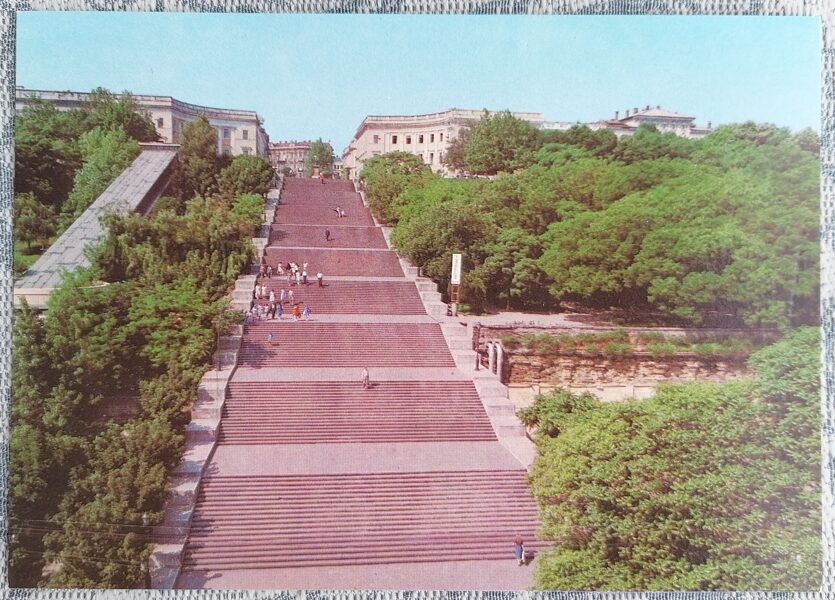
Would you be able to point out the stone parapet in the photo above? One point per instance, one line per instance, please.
(589, 370)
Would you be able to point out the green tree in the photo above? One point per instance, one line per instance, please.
(498, 142)
(107, 152)
(247, 174)
(600, 142)
(108, 111)
(701, 487)
(389, 175)
(319, 157)
(446, 222)
(33, 221)
(510, 273)
(47, 151)
(198, 163)
(647, 143)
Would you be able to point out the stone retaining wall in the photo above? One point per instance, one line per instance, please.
(610, 377)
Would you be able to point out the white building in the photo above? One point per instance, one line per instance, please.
(426, 136)
(238, 131)
(665, 121)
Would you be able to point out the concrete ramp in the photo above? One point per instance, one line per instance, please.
(134, 190)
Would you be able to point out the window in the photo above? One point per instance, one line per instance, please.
(431, 138)
(160, 122)
(245, 134)
(408, 139)
(225, 133)
(431, 157)
(441, 139)
(394, 139)
(420, 139)
(246, 150)
(376, 139)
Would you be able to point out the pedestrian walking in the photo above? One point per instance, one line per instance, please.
(262, 271)
(319, 277)
(337, 211)
(279, 311)
(519, 549)
(282, 296)
(366, 381)
(341, 213)
(304, 277)
(273, 308)
(270, 338)
(290, 298)
(289, 278)
(306, 313)
(272, 296)
(297, 312)
(269, 271)
(327, 235)
(298, 277)
(280, 269)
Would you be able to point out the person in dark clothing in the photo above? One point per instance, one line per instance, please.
(327, 235)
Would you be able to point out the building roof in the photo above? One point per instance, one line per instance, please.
(121, 197)
(70, 99)
(657, 112)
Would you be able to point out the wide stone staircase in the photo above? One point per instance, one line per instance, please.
(390, 411)
(318, 483)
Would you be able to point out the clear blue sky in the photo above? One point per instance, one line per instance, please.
(314, 76)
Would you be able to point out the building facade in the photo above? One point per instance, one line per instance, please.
(426, 136)
(289, 155)
(665, 121)
(238, 131)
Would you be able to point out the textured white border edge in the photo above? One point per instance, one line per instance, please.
(824, 9)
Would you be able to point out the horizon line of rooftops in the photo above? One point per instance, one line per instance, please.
(526, 115)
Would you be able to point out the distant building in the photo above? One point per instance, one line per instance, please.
(238, 131)
(664, 120)
(289, 155)
(338, 168)
(426, 136)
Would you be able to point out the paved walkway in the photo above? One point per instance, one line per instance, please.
(459, 575)
(378, 375)
(296, 459)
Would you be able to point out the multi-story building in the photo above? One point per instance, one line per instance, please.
(664, 120)
(238, 131)
(427, 136)
(289, 155)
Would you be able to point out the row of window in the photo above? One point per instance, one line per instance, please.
(409, 138)
(227, 134)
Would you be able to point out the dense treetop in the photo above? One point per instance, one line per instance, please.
(140, 323)
(65, 159)
(701, 487)
(319, 157)
(721, 231)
